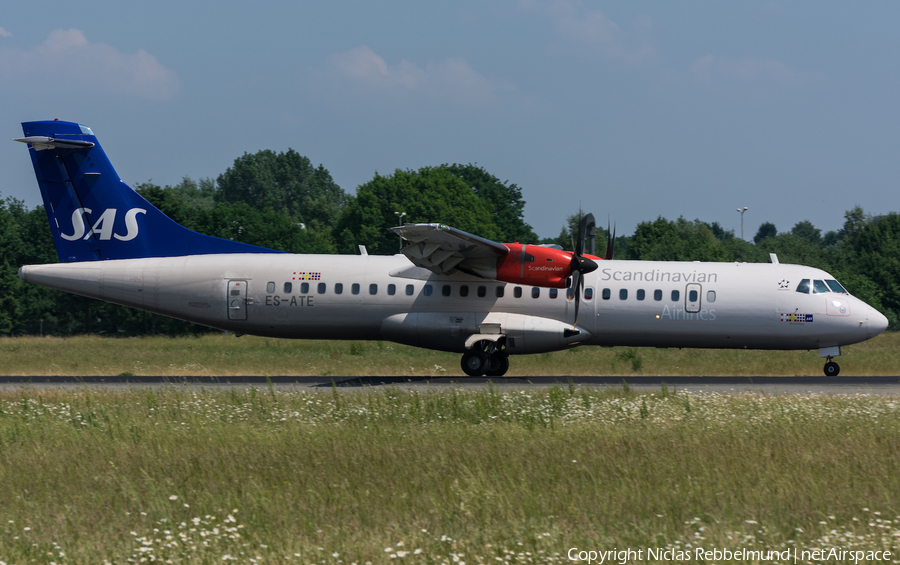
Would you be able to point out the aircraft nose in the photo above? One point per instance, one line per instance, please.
(877, 322)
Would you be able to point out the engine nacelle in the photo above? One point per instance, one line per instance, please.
(448, 331)
(535, 265)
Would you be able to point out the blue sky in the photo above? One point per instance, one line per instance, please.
(630, 109)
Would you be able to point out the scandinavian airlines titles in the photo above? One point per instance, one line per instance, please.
(103, 227)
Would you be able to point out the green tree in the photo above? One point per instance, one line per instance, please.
(795, 249)
(767, 229)
(681, 240)
(504, 199)
(807, 231)
(11, 248)
(719, 232)
(287, 183)
(429, 195)
(872, 250)
(169, 202)
(266, 228)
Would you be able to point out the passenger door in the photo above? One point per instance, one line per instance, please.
(237, 300)
(692, 298)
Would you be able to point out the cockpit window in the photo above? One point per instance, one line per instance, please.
(803, 287)
(835, 286)
(86, 130)
(819, 287)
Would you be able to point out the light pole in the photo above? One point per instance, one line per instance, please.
(400, 223)
(742, 210)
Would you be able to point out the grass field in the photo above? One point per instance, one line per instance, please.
(224, 355)
(385, 476)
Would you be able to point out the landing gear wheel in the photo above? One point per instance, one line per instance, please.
(497, 365)
(474, 363)
(832, 369)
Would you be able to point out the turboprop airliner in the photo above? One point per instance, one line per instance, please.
(447, 290)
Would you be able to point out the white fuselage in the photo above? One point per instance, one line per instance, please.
(738, 305)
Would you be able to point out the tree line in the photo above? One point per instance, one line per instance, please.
(282, 201)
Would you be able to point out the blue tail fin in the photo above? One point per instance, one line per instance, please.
(93, 214)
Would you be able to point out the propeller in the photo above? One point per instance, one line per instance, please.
(580, 264)
(610, 241)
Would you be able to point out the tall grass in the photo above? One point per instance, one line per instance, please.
(223, 355)
(380, 475)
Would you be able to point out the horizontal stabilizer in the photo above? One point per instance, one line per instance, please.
(42, 142)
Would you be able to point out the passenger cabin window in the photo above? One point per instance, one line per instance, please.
(482, 291)
(675, 295)
(623, 294)
(819, 287)
(835, 286)
(499, 291)
(288, 287)
(657, 295)
(338, 288)
(606, 294)
(236, 292)
(553, 293)
(641, 294)
(321, 288)
(392, 289)
(803, 287)
(588, 293)
(710, 296)
(304, 288)
(410, 289)
(693, 296)
(270, 287)
(373, 289)
(518, 292)
(535, 292)
(445, 290)
(354, 288)
(464, 290)
(427, 290)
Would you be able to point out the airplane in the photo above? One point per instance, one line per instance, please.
(446, 290)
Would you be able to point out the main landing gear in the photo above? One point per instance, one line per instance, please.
(487, 358)
(832, 369)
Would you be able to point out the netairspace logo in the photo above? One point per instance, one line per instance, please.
(793, 555)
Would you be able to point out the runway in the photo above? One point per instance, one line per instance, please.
(881, 385)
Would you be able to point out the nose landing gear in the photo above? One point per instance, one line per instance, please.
(832, 369)
(487, 358)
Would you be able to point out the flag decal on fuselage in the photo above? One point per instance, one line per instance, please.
(796, 317)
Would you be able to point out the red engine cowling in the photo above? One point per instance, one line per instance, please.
(535, 265)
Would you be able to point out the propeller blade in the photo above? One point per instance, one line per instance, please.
(579, 239)
(610, 243)
(586, 227)
(577, 281)
(579, 290)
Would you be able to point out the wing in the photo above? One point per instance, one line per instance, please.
(444, 250)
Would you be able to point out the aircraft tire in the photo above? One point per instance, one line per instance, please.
(474, 362)
(497, 366)
(832, 369)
